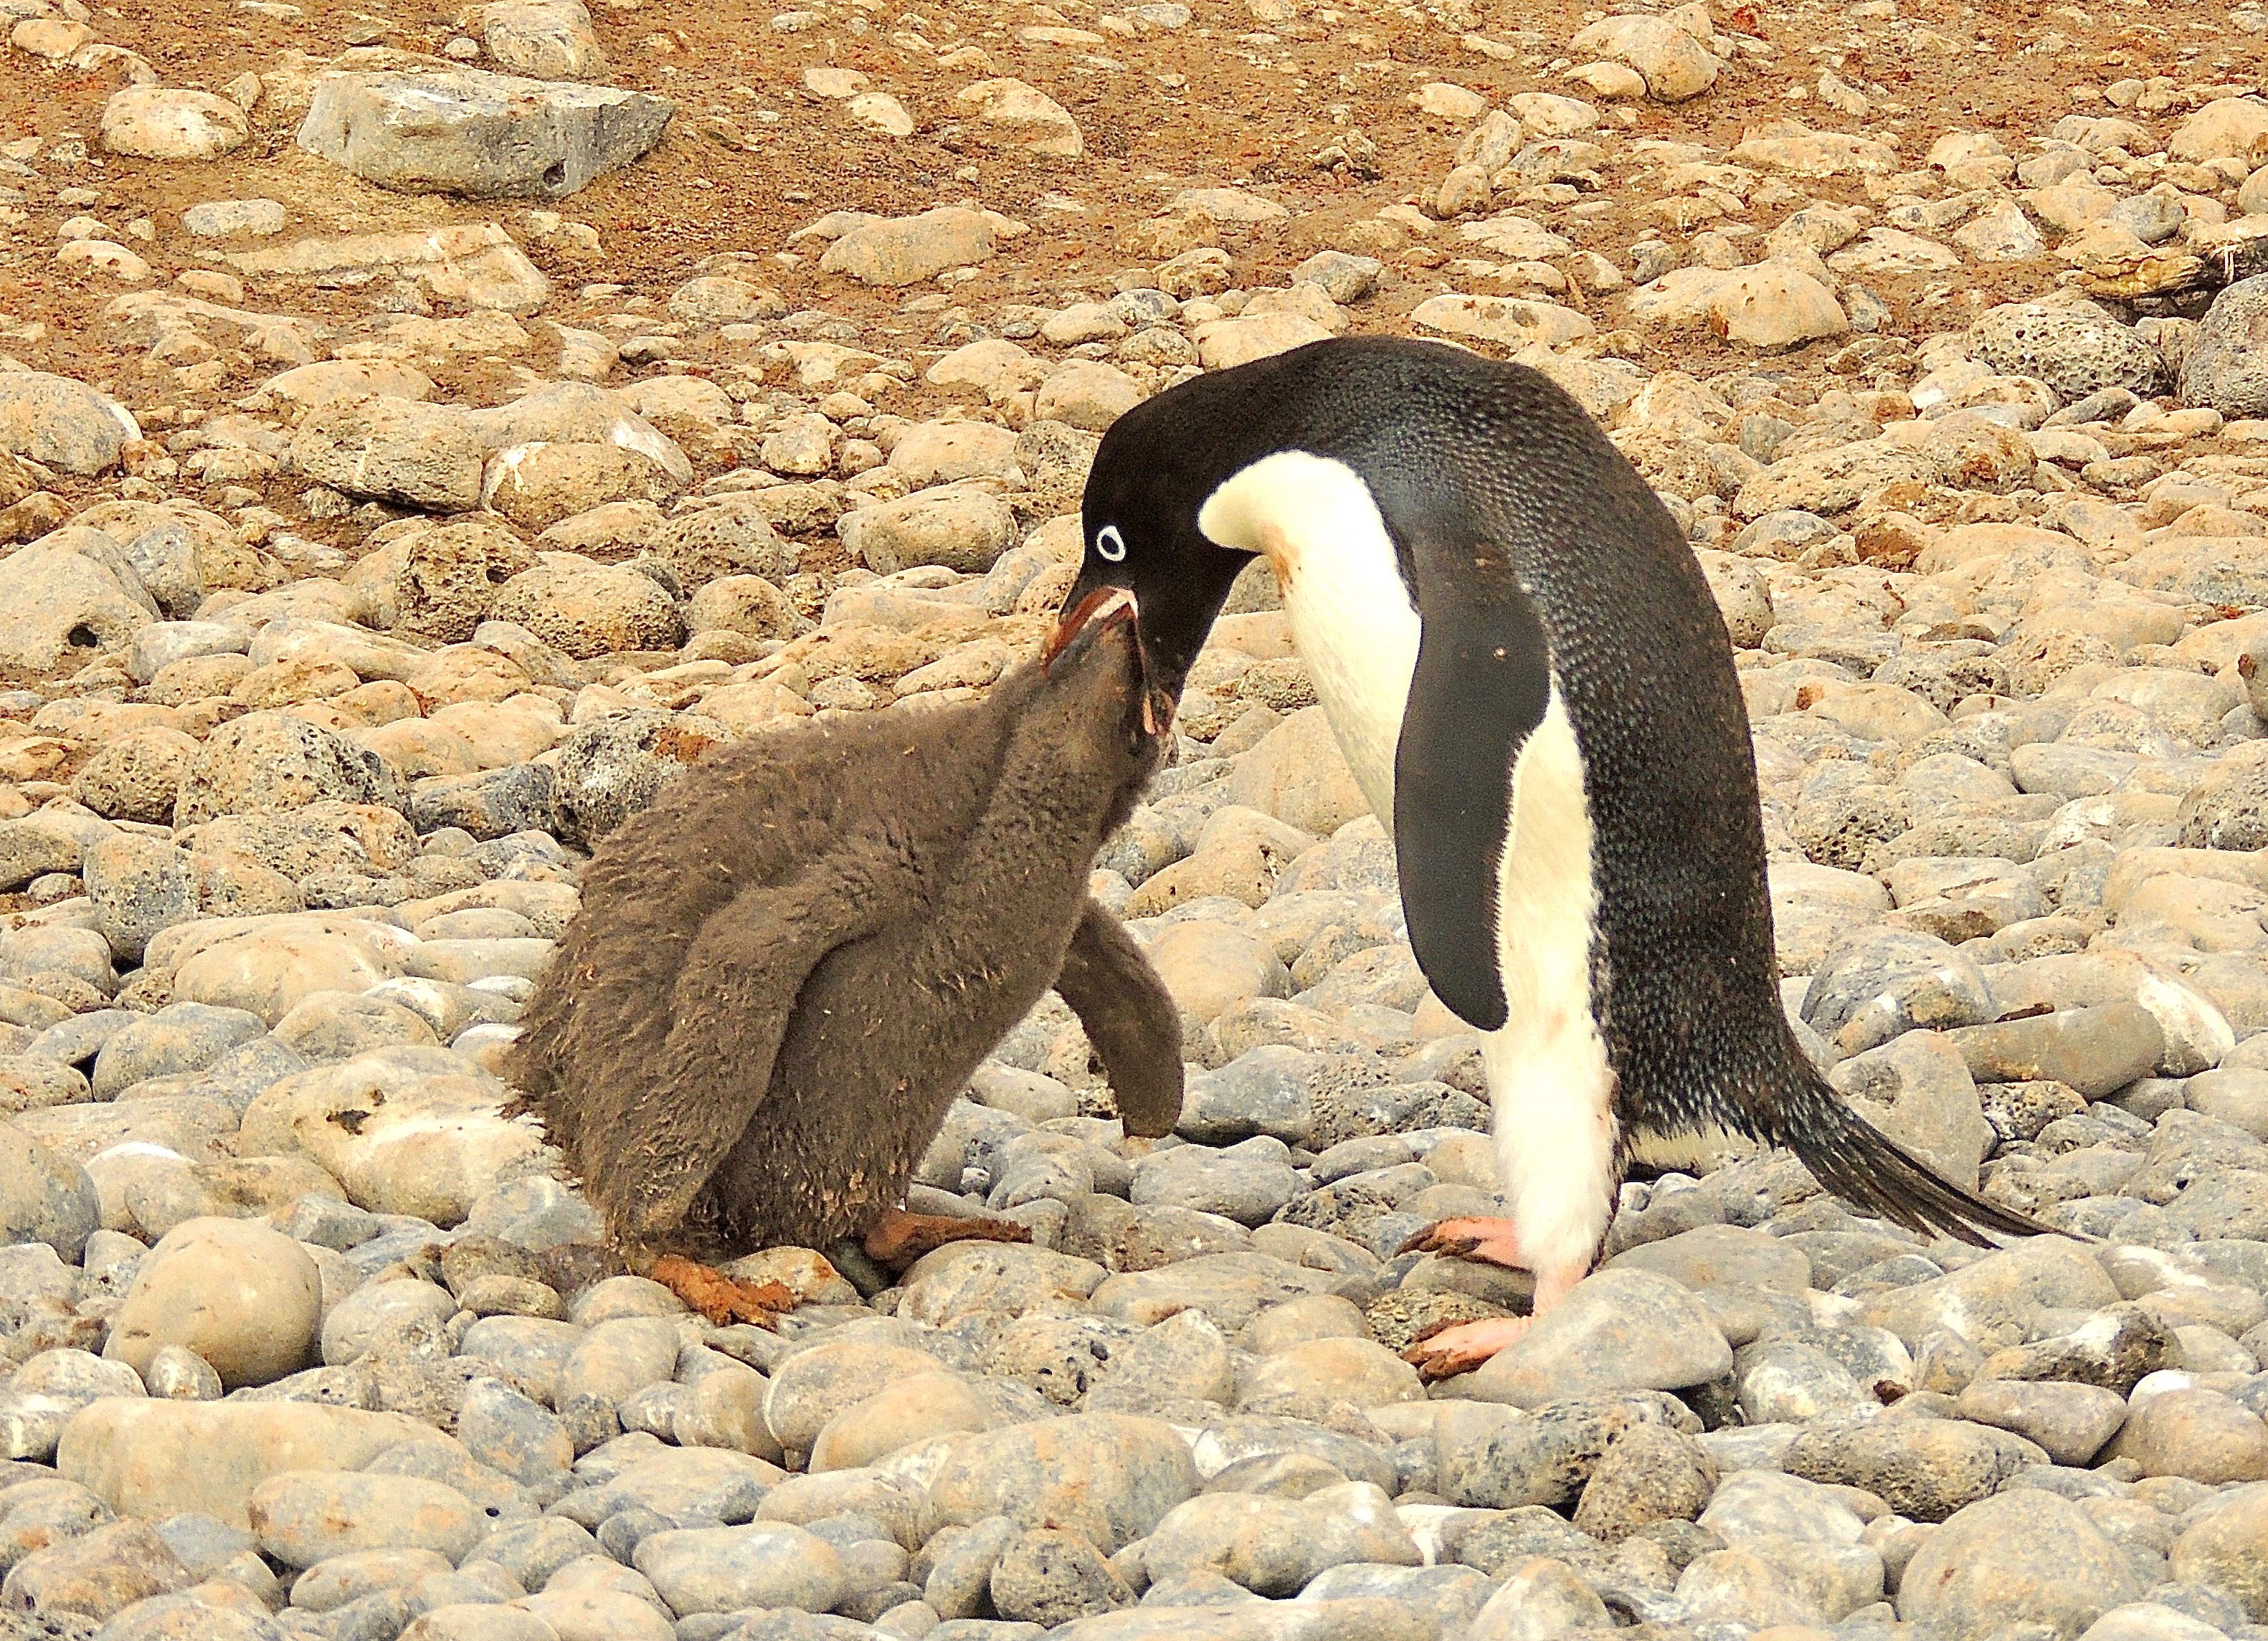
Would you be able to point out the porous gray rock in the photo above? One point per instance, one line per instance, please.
(273, 762)
(608, 771)
(2076, 348)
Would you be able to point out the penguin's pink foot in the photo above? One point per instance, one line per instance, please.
(1488, 1241)
(899, 1237)
(1463, 1347)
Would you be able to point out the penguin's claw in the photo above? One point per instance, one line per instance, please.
(1484, 1240)
(1463, 1347)
(721, 1298)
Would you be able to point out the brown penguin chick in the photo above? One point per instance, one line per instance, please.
(787, 967)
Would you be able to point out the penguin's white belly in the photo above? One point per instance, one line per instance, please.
(1354, 625)
(1350, 616)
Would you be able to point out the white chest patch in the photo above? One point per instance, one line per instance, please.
(1352, 620)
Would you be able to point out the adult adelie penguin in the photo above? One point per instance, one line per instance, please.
(1528, 674)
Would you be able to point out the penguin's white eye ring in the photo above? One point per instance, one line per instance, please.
(1110, 544)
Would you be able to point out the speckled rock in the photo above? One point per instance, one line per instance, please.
(722, 1570)
(44, 1198)
(2023, 1556)
(2223, 368)
(1106, 1476)
(1925, 1468)
(1651, 1473)
(2227, 1546)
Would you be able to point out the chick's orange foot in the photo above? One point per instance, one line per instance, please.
(899, 1237)
(721, 1298)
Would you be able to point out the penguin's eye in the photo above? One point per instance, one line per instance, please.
(1110, 544)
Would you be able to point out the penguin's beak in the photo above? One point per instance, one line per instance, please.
(1089, 619)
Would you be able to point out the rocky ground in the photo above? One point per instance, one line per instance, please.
(412, 468)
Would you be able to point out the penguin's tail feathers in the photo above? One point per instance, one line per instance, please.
(1873, 1172)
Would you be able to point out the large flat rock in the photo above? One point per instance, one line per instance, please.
(483, 136)
(475, 265)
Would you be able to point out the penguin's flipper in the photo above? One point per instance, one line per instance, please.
(1129, 1018)
(1482, 685)
(729, 1011)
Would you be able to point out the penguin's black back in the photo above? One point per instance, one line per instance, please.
(1454, 443)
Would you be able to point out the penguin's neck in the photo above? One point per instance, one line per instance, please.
(1350, 614)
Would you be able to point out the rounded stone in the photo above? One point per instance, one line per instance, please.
(364, 1319)
(2019, 1557)
(1883, 982)
(2228, 1548)
(266, 971)
(303, 1517)
(63, 422)
(588, 610)
(2200, 1434)
(44, 1196)
(1358, 1371)
(1540, 1600)
(242, 1297)
(156, 123)
(2072, 1421)
(335, 1580)
(813, 1387)
(2227, 368)
(1925, 1468)
(723, 1570)
(748, 604)
(910, 1410)
(180, 1037)
(1108, 1477)
(479, 1621)
(1651, 1473)
(1618, 1330)
(618, 1357)
(273, 762)
(176, 1375)
(139, 775)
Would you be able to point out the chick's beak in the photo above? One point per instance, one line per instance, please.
(1097, 613)
(1101, 608)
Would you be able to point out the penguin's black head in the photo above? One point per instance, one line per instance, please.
(1156, 466)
